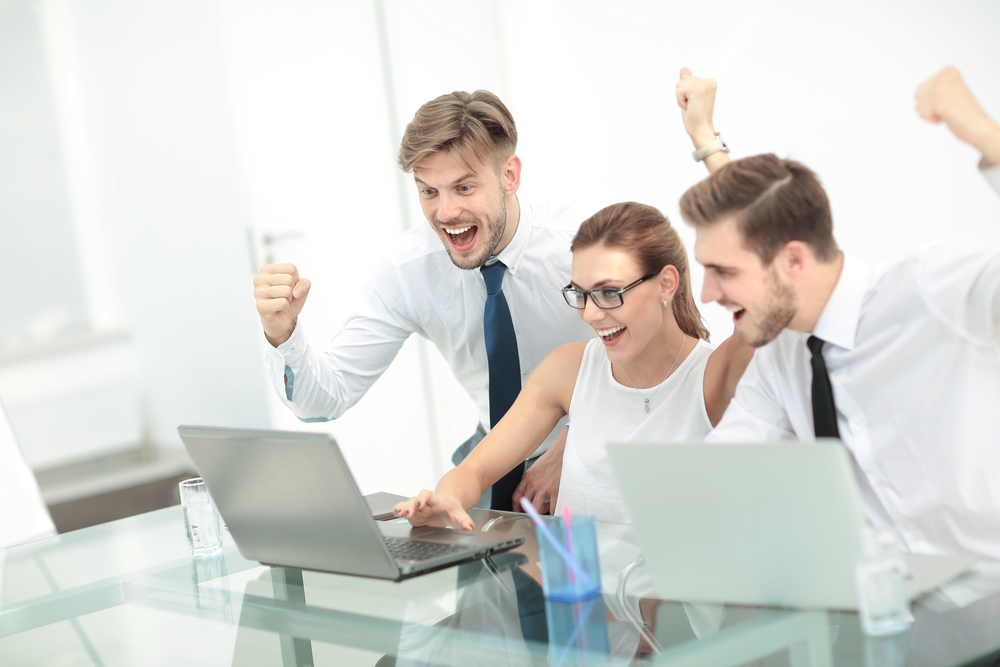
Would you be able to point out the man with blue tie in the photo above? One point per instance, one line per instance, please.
(481, 281)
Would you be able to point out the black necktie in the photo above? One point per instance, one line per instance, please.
(824, 409)
(505, 371)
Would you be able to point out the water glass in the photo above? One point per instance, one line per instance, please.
(201, 518)
(883, 599)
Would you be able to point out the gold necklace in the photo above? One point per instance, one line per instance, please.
(660, 383)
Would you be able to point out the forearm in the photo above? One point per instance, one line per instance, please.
(324, 383)
(989, 146)
(555, 452)
(462, 485)
(308, 383)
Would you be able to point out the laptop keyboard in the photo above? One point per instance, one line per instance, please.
(412, 550)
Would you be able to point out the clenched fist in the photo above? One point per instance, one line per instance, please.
(696, 98)
(945, 98)
(280, 295)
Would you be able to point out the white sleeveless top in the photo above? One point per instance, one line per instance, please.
(602, 410)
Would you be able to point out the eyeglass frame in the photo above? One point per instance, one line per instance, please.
(588, 292)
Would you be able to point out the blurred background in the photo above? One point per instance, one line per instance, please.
(154, 154)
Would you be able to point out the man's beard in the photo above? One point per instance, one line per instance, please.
(778, 315)
(497, 226)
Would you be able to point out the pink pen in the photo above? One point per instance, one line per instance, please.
(568, 526)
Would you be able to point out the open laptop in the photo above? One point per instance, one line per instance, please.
(289, 500)
(771, 524)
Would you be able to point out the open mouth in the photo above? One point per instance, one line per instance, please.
(737, 312)
(611, 336)
(462, 238)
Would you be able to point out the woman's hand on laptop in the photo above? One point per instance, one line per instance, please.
(432, 509)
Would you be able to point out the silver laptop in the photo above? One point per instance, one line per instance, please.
(771, 524)
(289, 500)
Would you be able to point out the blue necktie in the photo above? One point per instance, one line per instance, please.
(505, 371)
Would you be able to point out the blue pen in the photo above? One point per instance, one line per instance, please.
(543, 530)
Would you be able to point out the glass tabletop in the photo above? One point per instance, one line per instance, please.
(128, 593)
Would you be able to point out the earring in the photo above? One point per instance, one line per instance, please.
(666, 303)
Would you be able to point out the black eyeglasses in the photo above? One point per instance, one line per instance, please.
(603, 298)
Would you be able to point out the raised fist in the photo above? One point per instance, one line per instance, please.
(945, 98)
(280, 295)
(696, 98)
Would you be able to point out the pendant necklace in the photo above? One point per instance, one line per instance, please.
(646, 400)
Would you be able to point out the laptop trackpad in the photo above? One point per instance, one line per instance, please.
(429, 534)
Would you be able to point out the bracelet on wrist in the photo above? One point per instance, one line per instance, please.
(710, 148)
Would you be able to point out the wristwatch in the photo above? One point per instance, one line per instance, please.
(711, 147)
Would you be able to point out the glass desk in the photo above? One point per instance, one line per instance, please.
(126, 593)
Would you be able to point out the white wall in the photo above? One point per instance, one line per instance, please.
(202, 123)
(831, 85)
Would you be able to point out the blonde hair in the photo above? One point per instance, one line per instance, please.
(466, 124)
(646, 233)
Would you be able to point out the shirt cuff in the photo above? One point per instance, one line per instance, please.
(293, 350)
(992, 175)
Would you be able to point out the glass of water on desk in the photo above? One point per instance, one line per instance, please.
(883, 601)
(204, 527)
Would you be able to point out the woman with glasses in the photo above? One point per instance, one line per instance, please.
(648, 375)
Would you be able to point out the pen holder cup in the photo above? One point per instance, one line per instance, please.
(560, 580)
(574, 606)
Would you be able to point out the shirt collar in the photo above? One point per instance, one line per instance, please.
(838, 323)
(512, 254)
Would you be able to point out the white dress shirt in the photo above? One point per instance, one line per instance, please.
(417, 289)
(913, 352)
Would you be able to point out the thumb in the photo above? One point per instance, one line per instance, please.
(685, 72)
(301, 289)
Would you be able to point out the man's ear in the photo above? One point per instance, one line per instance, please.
(510, 175)
(792, 260)
(670, 280)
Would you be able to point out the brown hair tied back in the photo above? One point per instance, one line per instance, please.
(647, 234)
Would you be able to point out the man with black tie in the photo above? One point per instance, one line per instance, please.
(481, 281)
(901, 363)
